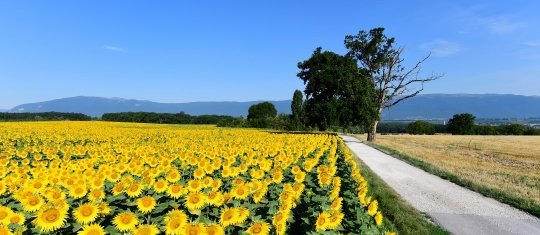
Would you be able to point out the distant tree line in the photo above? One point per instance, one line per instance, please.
(262, 115)
(45, 116)
(459, 124)
(164, 118)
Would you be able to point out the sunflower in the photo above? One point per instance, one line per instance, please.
(146, 229)
(2, 188)
(78, 191)
(118, 188)
(280, 218)
(227, 217)
(175, 225)
(177, 214)
(86, 213)
(335, 220)
(233, 216)
(96, 194)
(161, 185)
(214, 229)
(240, 192)
(125, 221)
(60, 204)
(281, 228)
(32, 203)
(92, 229)
(194, 229)
(259, 194)
(37, 185)
(337, 204)
(17, 218)
(372, 208)
(378, 218)
(173, 176)
(55, 194)
(216, 184)
(5, 213)
(176, 190)
(198, 173)
(194, 185)
(322, 221)
(134, 190)
(104, 208)
(215, 198)
(5, 230)
(195, 201)
(146, 204)
(259, 228)
(50, 219)
(299, 177)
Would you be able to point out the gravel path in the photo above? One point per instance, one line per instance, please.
(456, 209)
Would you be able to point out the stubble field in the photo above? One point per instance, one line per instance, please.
(508, 164)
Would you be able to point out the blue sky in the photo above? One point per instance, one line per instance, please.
(180, 51)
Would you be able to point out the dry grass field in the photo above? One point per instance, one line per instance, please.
(510, 164)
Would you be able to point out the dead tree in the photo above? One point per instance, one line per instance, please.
(392, 83)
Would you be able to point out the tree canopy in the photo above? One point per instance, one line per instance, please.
(420, 128)
(260, 115)
(337, 93)
(461, 124)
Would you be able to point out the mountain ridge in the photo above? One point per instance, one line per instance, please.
(425, 106)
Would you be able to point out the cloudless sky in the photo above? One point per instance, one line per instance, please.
(181, 51)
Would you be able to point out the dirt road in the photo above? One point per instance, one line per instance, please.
(456, 209)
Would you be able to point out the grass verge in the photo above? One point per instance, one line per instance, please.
(399, 215)
(504, 197)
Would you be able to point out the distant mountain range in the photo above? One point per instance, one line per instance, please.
(97, 106)
(444, 106)
(428, 106)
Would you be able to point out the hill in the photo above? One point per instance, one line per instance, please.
(428, 106)
(443, 106)
(96, 106)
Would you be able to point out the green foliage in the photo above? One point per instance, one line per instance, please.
(512, 129)
(232, 122)
(485, 130)
(461, 124)
(420, 128)
(165, 118)
(260, 115)
(283, 122)
(531, 131)
(337, 92)
(45, 116)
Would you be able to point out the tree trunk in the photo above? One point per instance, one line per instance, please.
(372, 134)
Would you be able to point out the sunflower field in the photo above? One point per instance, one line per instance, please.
(122, 178)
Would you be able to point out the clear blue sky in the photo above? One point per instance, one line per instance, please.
(174, 51)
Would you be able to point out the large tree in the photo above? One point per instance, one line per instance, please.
(337, 93)
(383, 62)
(260, 115)
(461, 124)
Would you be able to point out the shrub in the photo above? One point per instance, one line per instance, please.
(420, 128)
(512, 129)
(485, 130)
